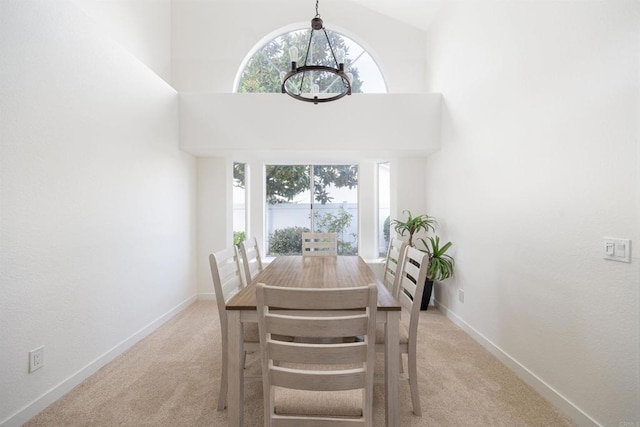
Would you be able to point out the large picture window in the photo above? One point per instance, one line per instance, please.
(318, 198)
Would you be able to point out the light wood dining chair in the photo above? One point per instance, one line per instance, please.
(251, 259)
(413, 275)
(393, 265)
(225, 271)
(319, 244)
(313, 383)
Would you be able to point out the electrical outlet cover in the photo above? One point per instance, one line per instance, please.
(36, 359)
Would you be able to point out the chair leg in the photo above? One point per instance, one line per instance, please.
(224, 376)
(413, 384)
(224, 384)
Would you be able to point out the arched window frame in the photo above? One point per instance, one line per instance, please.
(304, 26)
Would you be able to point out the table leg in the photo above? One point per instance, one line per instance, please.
(392, 369)
(235, 394)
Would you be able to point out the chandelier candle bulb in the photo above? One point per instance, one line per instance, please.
(293, 54)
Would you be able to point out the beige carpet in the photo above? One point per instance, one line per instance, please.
(171, 378)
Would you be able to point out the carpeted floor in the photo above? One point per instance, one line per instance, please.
(171, 378)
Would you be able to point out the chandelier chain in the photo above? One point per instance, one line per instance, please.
(317, 13)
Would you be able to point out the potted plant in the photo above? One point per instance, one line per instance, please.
(440, 264)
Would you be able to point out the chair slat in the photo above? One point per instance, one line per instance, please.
(393, 265)
(228, 270)
(405, 301)
(342, 354)
(251, 259)
(318, 380)
(320, 245)
(317, 327)
(411, 270)
(310, 299)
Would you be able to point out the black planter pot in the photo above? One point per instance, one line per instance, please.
(426, 295)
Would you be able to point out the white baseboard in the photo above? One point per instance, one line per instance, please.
(55, 393)
(558, 400)
(209, 296)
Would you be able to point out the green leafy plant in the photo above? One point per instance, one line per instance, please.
(337, 223)
(386, 229)
(413, 225)
(238, 237)
(286, 241)
(440, 264)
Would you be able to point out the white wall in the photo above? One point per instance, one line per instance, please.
(273, 125)
(368, 209)
(215, 216)
(407, 175)
(97, 219)
(141, 27)
(540, 161)
(211, 38)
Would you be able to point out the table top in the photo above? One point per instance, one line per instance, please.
(314, 272)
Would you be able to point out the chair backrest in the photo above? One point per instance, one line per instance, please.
(319, 244)
(250, 259)
(393, 265)
(413, 277)
(225, 271)
(332, 313)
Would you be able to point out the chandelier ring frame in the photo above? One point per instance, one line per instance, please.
(303, 69)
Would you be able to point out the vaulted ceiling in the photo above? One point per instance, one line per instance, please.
(417, 13)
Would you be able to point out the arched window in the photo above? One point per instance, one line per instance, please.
(262, 71)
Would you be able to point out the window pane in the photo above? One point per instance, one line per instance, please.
(288, 210)
(239, 203)
(384, 208)
(335, 208)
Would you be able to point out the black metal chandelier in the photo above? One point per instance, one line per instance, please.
(303, 83)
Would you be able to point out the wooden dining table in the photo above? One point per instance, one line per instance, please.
(312, 272)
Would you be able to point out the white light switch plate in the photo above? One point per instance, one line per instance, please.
(616, 249)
